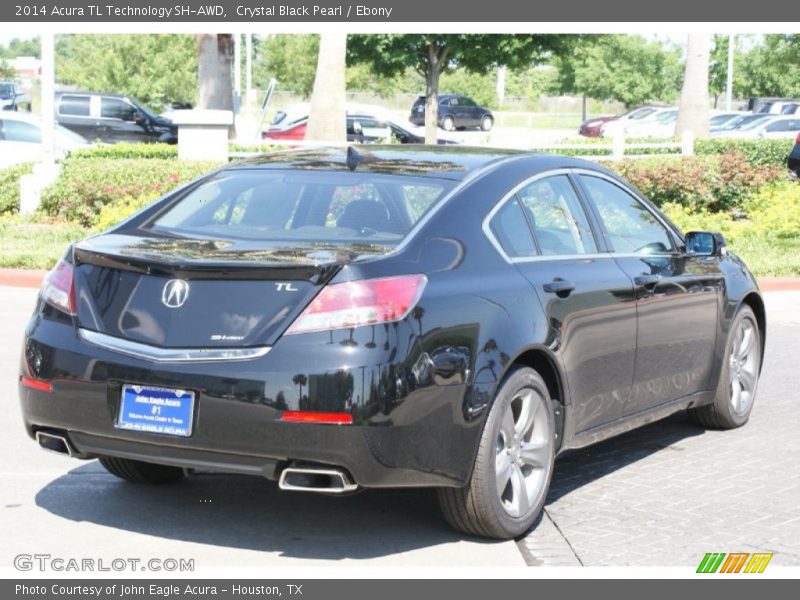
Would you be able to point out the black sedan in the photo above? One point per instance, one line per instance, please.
(401, 316)
(455, 112)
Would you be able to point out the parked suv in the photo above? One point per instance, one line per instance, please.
(13, 97)
(112, 118)
(455, 112)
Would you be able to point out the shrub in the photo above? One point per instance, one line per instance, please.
(9, 186)
(757, 153)
(86, 185)
(126, 150)
(711, 183)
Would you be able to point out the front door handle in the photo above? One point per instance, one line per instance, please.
(645, 280)
(559, 287)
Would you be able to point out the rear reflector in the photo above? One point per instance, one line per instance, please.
(302, 416)
(58, 288)
(36, 384)
(356, 303)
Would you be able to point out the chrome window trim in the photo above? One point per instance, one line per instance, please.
(174, 355)
(487, 230)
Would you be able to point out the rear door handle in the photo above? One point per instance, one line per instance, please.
(645, 280)
(559, 287)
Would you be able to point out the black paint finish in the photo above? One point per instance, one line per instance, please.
(618, 349)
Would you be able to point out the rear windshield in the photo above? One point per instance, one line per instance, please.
(285, 206)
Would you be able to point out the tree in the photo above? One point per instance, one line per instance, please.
(156, 69)
(327, 119)
(21, 47)
(433, 54)
(625, 68)
(214, 70)
(693, 107)
(7, 72)
(767, 69)
(291, 59)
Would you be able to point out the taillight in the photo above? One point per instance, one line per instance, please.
(328, 418)
(356, 303)
(797, 141)
(58, 288)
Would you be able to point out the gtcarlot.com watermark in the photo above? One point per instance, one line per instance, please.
(48, 562)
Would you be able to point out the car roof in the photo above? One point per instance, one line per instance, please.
(440, 161)
(20, 116)
(82, 93)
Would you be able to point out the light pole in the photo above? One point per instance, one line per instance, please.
(729, 87)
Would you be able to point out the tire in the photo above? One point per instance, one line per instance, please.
(738, 379)
(487, 123)
(140, 472)
(481, 508)
(448, 123)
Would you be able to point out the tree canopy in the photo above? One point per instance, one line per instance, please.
(431, 55)
(156, 68)
(626, 68)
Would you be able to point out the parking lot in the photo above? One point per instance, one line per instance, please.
(662, 495)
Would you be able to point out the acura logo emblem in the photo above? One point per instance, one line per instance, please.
(175, 293)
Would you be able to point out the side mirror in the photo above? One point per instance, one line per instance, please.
(705, 243)
(139, 118)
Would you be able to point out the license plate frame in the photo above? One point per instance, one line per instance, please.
(155, 409)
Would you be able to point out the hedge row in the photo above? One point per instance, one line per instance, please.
(757, 152)
(86, 185)
(714, 183)
(9, 186)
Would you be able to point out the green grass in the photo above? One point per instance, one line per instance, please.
(30, 245)
(779, 257)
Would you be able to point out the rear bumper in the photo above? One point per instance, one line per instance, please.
(406, 433)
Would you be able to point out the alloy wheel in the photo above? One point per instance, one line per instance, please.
(523, 451)
(743, 363)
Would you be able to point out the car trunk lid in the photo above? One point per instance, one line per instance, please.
(200, 293)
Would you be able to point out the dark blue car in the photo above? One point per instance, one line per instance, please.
(455, 112)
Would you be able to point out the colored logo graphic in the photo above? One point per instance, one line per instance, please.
(734, 562)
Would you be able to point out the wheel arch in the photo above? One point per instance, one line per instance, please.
(756, 303)
(543, 362)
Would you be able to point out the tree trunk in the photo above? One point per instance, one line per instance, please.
(214, 70)
(432, 96)
(327, 119)
(693, 107)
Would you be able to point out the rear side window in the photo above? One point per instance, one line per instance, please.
(630, 225)
(19, 131)
(312, 207)
(77, 106)
(510, 228)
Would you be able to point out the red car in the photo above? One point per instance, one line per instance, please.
(591, 127)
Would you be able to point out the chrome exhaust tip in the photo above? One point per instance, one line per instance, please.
(54, 443)
(320, 480)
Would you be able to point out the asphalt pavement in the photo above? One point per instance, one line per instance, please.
(661, 495)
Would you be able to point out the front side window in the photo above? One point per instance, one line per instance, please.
(114, 108)
(629, 224)
(559, 222)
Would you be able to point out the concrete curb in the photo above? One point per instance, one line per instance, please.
(33, 279)
(27, 278)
